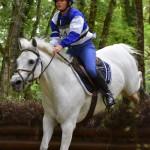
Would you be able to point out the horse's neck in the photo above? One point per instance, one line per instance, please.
(56, 74)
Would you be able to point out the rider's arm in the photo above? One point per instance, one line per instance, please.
(55, 35)
(76, 27)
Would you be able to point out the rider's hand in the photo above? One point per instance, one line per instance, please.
(58, 48)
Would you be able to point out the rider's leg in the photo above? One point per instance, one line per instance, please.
(88, 57)
(102, 85)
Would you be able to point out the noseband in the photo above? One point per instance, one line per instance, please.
(31, 72)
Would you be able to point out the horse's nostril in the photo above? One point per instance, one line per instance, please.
(18, 82)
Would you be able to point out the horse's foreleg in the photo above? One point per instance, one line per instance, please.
(48, 127)
(67, 131)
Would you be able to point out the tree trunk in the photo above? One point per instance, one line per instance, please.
(11, 49)
(28, 6)
(81, 6)
(48, 25)
(140, 38)
(107, 22)
(93, 12)
(36, 23)
(129, 12)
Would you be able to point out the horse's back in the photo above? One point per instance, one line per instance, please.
(124, 66)
(115, 53)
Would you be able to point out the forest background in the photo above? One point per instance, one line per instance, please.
(113, 21)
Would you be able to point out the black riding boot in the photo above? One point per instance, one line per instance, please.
(102, 85)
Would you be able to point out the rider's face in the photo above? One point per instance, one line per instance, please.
(61, 4)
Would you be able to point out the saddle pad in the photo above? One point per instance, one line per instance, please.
(103, 67)
(86, 86)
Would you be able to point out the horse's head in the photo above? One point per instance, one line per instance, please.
(29, 65)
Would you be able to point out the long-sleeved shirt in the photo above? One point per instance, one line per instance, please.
(70, 29)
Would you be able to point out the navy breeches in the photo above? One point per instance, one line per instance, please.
(86, 52)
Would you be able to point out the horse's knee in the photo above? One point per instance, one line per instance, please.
(42, 147)
(67, 127)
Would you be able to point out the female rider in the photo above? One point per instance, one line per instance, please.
(69, 29)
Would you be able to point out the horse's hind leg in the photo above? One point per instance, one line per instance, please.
(131, 98)
(48, 127)
(134, 98)
(132, 89)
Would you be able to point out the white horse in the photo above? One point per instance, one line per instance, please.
(65, 101)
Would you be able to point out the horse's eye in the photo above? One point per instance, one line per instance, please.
(31, 61)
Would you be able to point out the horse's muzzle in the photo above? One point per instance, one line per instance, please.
(16, 83)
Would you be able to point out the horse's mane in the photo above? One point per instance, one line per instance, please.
(44, 46)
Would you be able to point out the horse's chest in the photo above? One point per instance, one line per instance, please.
(49, 108)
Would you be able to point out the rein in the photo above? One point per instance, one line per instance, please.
(63, 58)
(47, 65)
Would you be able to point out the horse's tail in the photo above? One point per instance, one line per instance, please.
(141, 84)
(133, 52)
(130, 49)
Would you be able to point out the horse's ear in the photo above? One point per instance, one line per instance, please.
(34, 43)
(19, 44)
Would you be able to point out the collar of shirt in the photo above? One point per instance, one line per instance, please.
(63, 19)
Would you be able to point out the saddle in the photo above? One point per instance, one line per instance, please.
(101, 66)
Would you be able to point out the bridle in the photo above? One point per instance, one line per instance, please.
(31, 72)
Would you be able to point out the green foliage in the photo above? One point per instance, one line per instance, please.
(30, 93)
(120, 31)
(5, 15)
(36, 90)
(147, 34)
(45, 13)
(147, 55)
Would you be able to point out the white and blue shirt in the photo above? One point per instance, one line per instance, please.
(70, 29)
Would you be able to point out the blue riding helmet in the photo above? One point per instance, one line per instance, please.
(72, 1)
